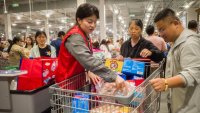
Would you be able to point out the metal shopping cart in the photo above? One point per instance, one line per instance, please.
(77, 95)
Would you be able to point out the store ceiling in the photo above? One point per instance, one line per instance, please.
(62, 12)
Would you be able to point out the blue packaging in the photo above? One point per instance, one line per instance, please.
(80, 103)
(123, 76)
(138, 96)
(130, 77)
(132, 67)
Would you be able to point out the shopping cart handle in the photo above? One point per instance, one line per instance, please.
(142, 59)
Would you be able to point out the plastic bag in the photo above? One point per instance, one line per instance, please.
(106, 88)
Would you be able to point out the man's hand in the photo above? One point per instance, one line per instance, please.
(145, 53)
(158, 84)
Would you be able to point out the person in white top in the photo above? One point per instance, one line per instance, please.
(105, 48)
(157, 41)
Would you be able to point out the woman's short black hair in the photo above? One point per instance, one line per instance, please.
(103, 42)
(150, 29)
(86, 10)
(138, 22)
(96, 45)
(167, 12)
(192, 24)
(38, 33)
(14, 41)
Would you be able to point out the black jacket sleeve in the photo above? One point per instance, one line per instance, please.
(157, 55)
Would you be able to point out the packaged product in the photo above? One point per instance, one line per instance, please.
(114, 65)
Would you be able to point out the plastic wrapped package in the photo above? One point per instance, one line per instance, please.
(106, 88)
(122, 96)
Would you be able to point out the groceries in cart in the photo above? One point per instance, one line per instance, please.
(123, 95)
(112, 109)
(142, 100)
(107, 88)
(128, 67)
(131, 67)
(114, 65)
(80, 103)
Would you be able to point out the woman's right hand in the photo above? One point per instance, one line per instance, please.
(121, 84)
(95, 79)
(120, 58)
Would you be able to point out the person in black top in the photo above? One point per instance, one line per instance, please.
(137, 46)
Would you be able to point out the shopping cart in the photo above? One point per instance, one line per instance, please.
(77, 95)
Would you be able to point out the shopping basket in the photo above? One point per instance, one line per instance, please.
(77, 95)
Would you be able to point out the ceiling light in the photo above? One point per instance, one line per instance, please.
(150, 8)
(187, 6)
(19, 33)
(120, 18)
(60, 27)
(63, 21)
(98, 22)
(71, 24)
(50, 25)
(47, 15)
(178, 13)
(38, 22)
(27, 27)
(148, 15)
(116, 11)
(14, 24)
(19, 17)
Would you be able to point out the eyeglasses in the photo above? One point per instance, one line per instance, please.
(161, 30)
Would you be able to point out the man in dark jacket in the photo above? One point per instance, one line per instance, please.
(56, 43)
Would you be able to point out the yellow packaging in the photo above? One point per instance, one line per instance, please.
(125, 109)
(114, 65)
